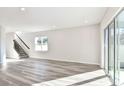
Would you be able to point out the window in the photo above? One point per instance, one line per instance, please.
(41, 43)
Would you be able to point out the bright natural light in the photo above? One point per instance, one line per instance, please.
(41, 43)
(96, 78)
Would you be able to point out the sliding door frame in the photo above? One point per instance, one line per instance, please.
(115, 81)
(106, 46)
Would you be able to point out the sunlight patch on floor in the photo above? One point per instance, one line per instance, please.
(79, 78)
(100, 82)
(14, 60)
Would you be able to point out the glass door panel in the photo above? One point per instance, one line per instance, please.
(120, 45)
(111, 51)
(117, 64)
(106, 50)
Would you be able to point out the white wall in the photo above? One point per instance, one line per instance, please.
(10, 51)
(2, 45)
(109, 15)
(81, 44)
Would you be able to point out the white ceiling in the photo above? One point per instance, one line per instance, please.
(49, 18)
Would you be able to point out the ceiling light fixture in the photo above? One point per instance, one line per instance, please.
(22, 9)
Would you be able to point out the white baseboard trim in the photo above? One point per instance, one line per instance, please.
(65, 60)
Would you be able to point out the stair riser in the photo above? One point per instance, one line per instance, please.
(20, 50)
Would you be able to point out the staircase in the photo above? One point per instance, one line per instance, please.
(20, 50)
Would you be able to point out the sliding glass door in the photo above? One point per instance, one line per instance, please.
(120, 47)
(106, 49)
(114, 49)
(111, 51)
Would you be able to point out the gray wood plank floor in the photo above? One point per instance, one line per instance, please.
(31, 71)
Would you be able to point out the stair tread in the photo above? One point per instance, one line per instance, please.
(20, 50)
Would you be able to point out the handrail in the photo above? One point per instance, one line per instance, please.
(23, 42)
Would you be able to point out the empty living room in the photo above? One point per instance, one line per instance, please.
(45, 46)
(39, 49)
(61, 46)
